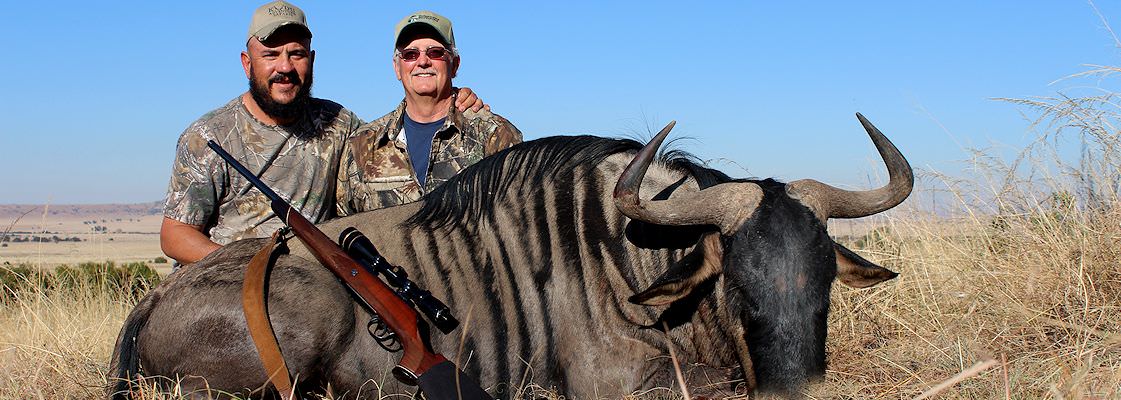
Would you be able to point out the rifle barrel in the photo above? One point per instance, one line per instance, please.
(248, 175)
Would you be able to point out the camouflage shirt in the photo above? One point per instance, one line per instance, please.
(299, 162)
(376, 171)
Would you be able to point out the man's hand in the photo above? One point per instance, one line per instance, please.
(467, 99)
(184, 242)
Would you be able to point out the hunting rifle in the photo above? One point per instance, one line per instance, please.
(437, 377)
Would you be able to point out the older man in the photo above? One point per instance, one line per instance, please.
(402, 155)
(292, 141)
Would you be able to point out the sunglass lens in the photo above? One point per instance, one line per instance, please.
(410, 54)
(436, 53)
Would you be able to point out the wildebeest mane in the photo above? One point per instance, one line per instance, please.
(686, 162)
(465, 197)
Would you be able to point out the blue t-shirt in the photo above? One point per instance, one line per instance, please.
(418, 142)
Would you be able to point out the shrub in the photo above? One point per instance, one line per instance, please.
(130, 280)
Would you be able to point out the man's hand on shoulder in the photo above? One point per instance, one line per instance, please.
(184, 242)
(466, 99)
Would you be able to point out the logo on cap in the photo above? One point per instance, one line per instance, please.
(419, 17)
(282, 10)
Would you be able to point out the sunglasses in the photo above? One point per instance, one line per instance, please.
(435, 53)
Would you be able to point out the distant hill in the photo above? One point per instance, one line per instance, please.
(9, 211)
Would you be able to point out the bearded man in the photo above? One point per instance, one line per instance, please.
(289, 139)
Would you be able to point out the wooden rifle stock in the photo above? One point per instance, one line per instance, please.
(400, 317)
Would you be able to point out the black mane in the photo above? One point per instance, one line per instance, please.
(464, 198)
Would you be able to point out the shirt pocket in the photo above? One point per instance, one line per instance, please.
(386, 177)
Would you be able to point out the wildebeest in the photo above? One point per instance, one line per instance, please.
(561, 281)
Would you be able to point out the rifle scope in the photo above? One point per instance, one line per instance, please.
(362, 250)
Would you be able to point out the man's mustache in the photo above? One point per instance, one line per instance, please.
(290, 76)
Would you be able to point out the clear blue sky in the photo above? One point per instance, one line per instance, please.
(96, 93)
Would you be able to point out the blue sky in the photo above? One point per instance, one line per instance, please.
(97, 93)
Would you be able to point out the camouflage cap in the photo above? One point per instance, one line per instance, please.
(270, 17)
(441, 24)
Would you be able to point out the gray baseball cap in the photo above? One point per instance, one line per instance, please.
(441, 24)
(272, 16)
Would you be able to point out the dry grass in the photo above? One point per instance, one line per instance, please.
(55, 344)
(1040, 294)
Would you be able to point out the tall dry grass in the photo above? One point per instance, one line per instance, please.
(1040, 293)
(58, 328)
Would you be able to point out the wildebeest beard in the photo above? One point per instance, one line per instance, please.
(291, 110)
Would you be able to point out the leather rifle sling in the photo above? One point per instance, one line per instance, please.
(256, 316)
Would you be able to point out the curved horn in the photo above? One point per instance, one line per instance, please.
(726, 205)
(830, 202)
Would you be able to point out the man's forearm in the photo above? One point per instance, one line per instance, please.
(184, 242)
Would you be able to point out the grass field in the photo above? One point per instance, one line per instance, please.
(125, 238)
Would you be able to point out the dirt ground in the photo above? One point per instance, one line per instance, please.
(118, 233)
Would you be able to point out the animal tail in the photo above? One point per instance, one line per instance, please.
(126, 357)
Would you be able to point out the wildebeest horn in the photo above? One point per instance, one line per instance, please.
(830, 202)
(726, 205)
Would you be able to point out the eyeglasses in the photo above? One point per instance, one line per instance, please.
(435, 53)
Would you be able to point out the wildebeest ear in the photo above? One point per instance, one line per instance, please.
(853, 270)
(685, 275)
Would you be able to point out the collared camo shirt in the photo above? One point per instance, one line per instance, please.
(299, 162)
(376, 171)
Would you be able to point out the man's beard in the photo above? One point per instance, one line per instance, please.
(292, 110)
